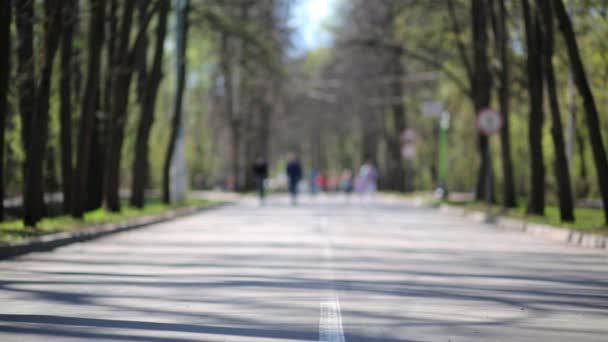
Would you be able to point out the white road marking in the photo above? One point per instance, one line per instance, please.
(330, 322)
(330, 318)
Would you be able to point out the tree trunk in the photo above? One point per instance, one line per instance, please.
(66, 103)
(562, 171)
(89, 105)
(501, 41)
(592, 116)
(481, 87)
(236, 154)
(153, 79)
(97, 159)
(50, 180)
(142, 50)
(77, 52)
(112, 28)
(397, 172)
(536, 203)
(102, 123)
(27, 91)
(121, 81)
(126, 58)
(369, 136)
(36, 125)
(177, 104)
(233, 121)
(583, 179)
(5, 45)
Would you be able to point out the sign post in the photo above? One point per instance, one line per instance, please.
(408, 144)
(489, 122)
(443, 158)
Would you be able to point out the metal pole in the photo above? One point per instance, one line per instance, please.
(488, 172)
(442, 163)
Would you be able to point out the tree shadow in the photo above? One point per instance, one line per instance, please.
(237, 270)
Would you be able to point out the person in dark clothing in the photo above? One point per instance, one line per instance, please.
(260, 170)
(294, 174)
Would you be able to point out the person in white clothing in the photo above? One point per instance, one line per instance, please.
(367, 179)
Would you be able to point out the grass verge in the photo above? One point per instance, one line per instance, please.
(588, 220)
(14, 231)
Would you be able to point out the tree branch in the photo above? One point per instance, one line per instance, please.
(457, 31)
(428, 60)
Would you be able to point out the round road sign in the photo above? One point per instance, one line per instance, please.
(489, 121)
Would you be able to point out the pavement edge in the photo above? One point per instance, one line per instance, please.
(52, 241)
(546, 232)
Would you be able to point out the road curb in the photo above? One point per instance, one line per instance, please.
(546, 232)
(52, 241)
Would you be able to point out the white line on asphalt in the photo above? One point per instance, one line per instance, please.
(330, 323)
(330, 319)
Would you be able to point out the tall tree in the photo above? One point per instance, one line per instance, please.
(88, 107)
(125, 59)
(27, 87)
(176, 121)
(591, 113)
(498, 12)
(150, 89)
(397, 172)
(226, 66)
(35, 114)
(534, 45)
(121, 80)
(141, 63)
(5, 64)
(562, 170)
(65, 112)
(481, 87)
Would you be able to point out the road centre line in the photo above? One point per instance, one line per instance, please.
(330, 322)
(330, 318)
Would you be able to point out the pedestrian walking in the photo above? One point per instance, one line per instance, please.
(347, 181)
(260, 170)
(367, 180)
(294, 174)
(312, 182)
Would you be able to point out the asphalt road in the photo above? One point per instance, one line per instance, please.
(326, 270)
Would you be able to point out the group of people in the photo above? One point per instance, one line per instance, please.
(364, 183)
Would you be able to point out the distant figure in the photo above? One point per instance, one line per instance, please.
(312, 182)
(367, 179)
(322, 181)
(294, 174)
(260, 170)
(347, 181)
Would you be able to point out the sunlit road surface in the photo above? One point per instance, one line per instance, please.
(326, 270)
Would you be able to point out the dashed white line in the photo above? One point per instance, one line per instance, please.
(330, 322)
(330, 318)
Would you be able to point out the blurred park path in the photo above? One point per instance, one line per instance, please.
(330, 269)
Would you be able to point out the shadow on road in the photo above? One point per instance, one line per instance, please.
(220, 274)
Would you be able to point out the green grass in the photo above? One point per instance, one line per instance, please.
(587, 219)
(13, 231)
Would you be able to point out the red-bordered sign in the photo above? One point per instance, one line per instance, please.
(489, 121)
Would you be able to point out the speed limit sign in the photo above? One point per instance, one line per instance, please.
(489, 121)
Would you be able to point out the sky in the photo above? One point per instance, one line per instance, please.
(308, 18)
